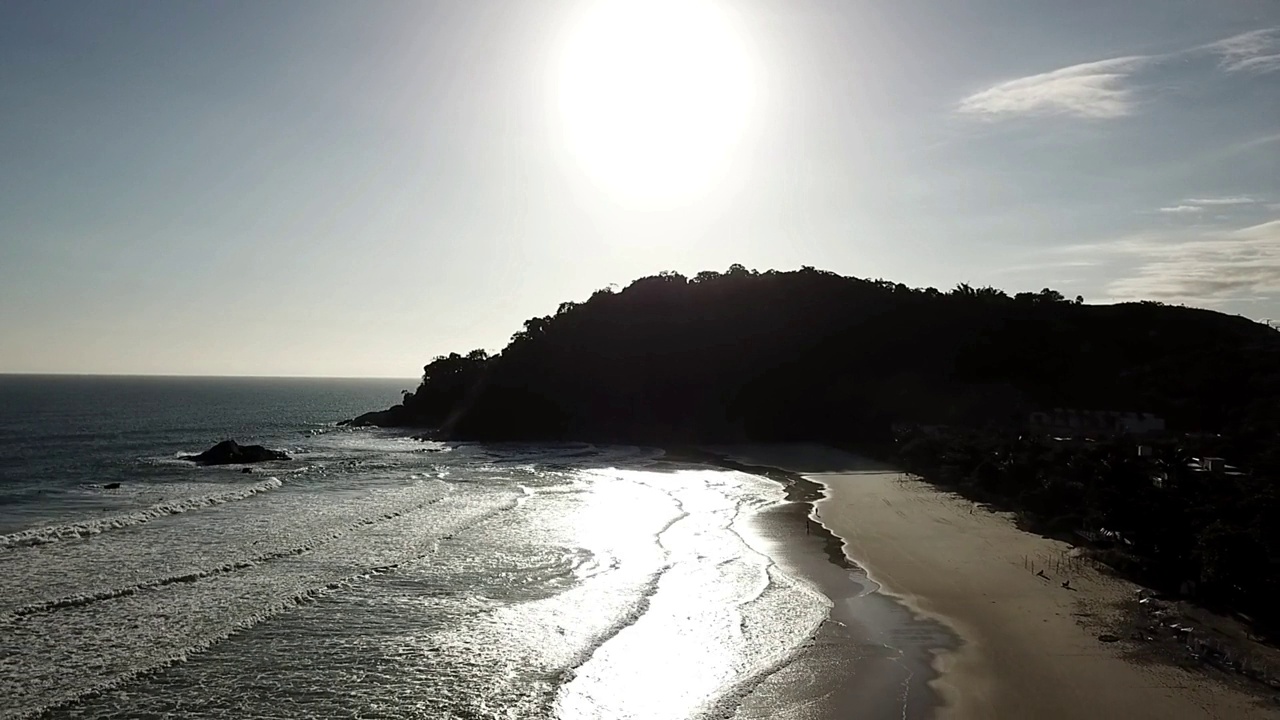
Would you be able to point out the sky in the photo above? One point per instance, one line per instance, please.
(351, 188)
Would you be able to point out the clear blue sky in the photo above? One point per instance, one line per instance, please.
(349, 188)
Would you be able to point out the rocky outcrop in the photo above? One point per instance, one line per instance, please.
(230, 452)
(394, 416)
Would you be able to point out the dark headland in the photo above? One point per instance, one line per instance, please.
(1145, 432)
(813, 355)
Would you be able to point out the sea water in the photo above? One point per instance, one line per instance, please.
(373, 575)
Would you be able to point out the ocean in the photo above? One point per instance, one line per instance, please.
(372, 575)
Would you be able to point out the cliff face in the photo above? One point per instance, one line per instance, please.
(812, 355)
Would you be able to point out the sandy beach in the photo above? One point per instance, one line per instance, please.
(1027, 647)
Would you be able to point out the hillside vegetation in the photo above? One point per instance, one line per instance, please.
(813, 355)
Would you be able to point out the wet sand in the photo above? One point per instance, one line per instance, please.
(1012, 644)
(871, 659)
(874, 656)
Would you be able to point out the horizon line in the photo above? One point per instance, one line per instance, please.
(6, 373)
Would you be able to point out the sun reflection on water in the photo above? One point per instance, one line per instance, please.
(716, 613)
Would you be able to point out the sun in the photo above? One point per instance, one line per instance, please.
(654, 95)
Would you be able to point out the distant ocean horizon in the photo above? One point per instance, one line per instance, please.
(372, 574)
(187, 376)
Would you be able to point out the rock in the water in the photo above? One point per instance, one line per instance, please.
(111, 486)
(246, 471)
(229, 452)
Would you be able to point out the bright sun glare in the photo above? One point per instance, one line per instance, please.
(654, 94)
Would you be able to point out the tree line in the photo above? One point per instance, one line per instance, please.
(808, 354)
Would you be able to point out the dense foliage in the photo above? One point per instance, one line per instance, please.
(813, 355)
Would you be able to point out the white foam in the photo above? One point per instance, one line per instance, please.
(208, 572)
(72, 531)
(68, 652)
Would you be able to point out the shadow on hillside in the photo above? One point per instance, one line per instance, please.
(802, 458)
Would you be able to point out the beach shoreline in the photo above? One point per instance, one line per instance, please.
(873, 657)
(1023, 645)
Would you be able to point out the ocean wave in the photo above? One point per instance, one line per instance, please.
(62, 689)
(53, 701)
(640, 606)
(86, 528)
(30, 703)
(730, 700)
(83, 599)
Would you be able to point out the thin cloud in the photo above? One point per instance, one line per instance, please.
(1249, 145)
(1256, 51)
(1046, 265)
(1104, 90)
(1260, 141)
(1227, 200)
(1207, 268)
(1096, 90)
(1193, 206)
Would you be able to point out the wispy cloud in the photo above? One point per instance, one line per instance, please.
(1249, 146)
(1200, 204)
(1044, 265)
(1089, 90)
(1256, 51)
(1206, 268)
(1104, 89)
(1225, 200)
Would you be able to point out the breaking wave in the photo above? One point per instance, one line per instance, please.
(86, 528)
(200, 574)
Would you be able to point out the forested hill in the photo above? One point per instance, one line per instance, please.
(814, 355)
